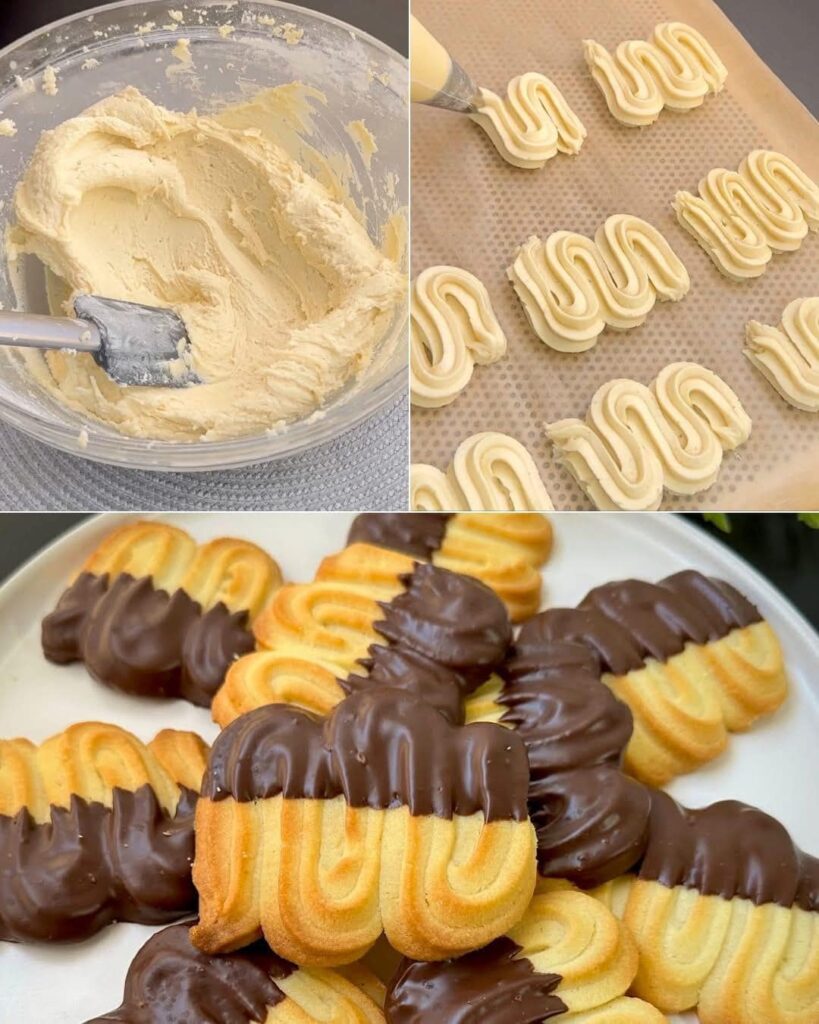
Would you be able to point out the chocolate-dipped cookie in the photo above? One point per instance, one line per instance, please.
(153, 614)
(96, 827)
(504, 550)
(371, 618)
(320, 834)
(722, 904)
(692, 658)
(170, 980)
(568, 959)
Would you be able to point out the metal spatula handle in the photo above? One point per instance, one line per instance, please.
(138, 345)
(29, 330)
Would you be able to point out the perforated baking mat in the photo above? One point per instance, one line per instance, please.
(471, 209)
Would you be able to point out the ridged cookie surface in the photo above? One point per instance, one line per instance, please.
(371, 618)
(170, 980)
(320, 834)
(96, 827)
(152, 613)
(722, 904)
(691, 657)
(504, 550)
(568, 957)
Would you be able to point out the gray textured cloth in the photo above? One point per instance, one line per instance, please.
(366, 469)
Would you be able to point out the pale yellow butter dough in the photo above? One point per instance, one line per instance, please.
(788, 355)
(489, 472)
(677, 68)
(637, 441)
(572, 288)
(741, 218)
(452, 327)
(283, 293)
(532, 123)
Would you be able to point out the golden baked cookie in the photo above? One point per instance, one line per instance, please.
(723, 906)
(320, 834)
(724, 911)
(251, 985)
(96, 827)
(371, 617)
(153, 613)
(692, 658)
(506, 550)
(568, 958)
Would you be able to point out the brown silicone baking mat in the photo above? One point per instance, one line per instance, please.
(471, 209)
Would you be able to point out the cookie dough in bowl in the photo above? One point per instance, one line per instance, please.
(280, 287)
(229, 186)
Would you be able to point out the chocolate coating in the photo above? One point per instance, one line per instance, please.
(408, 670)
(728, 849)
(141, 640)
(595, 824)
(61, 628)
(90, 865)
(592, 824)
(379, 749)
(171, 982)
(562, 711)
(625, 623)
(454, 620)
(491, 986)
(419, 534)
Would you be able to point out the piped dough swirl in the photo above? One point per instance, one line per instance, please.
(788, 355)
(532, 123)
(489, 472)
(637, 440)
(741, 218)
(676, 68)
(572, 288)
(453, 327)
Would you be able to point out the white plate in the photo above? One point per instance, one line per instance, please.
(767, 767)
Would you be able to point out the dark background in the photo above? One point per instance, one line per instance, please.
(778, 544)
(385, 19)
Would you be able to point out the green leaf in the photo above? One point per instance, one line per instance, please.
(810, 519)
(722, 521)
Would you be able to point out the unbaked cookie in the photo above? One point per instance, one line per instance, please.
(453, 327)
(488, 472)
(788, 355)
(532, 123)
(741, 218)
(677, 68)
(572, 288)
(638, 440)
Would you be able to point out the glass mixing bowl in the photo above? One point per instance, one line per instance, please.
(101, 51)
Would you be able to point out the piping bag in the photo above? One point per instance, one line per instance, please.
(438, 80)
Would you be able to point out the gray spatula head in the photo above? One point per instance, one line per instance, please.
(139, 345)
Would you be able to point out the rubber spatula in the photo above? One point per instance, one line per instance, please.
(135, 345)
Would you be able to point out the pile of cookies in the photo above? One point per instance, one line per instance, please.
(415, 811)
